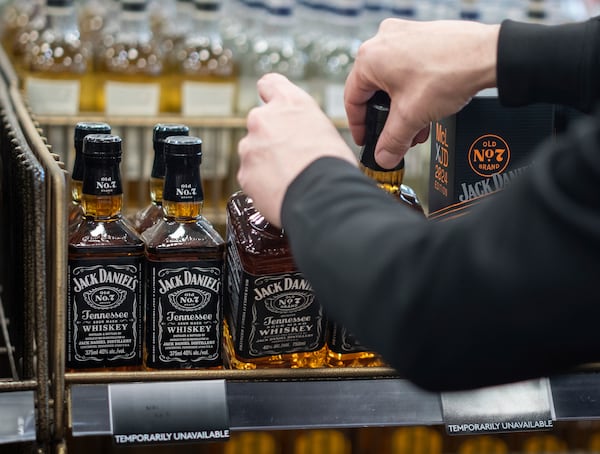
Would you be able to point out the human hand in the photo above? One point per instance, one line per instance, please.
(429, 69)
(285, 134)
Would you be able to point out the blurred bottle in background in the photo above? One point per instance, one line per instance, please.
(130, 65)
(57, 66)
(203, 71)
(272, 49)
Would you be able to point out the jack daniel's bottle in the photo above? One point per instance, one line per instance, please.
(82, 129)
(151, 214)
(104, 289)
(184, 263)
(344, 350)
(272, 318)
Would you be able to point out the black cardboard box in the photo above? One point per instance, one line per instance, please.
(480, 149)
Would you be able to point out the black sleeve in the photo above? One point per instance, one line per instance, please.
(507, 292)
(557, 64)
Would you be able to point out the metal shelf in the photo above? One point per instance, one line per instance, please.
(331, 399)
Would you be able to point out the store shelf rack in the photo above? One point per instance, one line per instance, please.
(51, 403)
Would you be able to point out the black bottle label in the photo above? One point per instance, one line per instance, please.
(340, 340)
(104, 316)
(273, 314)
(184, 314)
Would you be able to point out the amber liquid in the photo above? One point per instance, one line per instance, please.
(144, 64)
(105, 234)
(183, 236)
(68, 62)
(75, 209)
(262, 250)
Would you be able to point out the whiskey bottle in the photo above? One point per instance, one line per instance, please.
(21, 21)
(273, 319)
(57, 70)
(104, 286)
(344, 350)
(184, 263)
(82, 129)
(130, 65)
(151, 214)
(203, 72)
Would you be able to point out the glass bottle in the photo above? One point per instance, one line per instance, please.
(104, 286)
(272, 317)
(151, 214)
(130, 65)
(178, 27)
(184, 263)
(344, 350)
(272, 49)
(21, 21)
(203, 71)
(82, 129)
(57, 68)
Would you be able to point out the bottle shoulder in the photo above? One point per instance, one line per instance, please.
(251, 232)
(115, 234)
(168, 234)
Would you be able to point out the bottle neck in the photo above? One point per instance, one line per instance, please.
(102, 208)
(62, 18)
(134, 26)
(102, 192)
(388, 180)
(183, 197)
(156, 190)
(182, 211)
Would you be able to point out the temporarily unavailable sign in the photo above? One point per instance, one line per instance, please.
(169, 412)
(515, 407)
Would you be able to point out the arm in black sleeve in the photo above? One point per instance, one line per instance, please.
(508, 292)
(557, 64)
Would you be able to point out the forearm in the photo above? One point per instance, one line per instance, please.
(555, 64)
(470, 302)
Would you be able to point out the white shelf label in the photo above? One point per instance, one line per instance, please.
(208, 99)
(53, 97)
(524, 406)
(124, 98)
(169, 412)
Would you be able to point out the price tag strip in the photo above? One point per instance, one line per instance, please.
(516, 407)
(168, 412)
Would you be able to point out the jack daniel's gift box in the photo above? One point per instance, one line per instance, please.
(480, 150)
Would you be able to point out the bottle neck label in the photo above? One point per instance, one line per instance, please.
(182, 181)
(102, 178)
(104, 314)
(184, 314)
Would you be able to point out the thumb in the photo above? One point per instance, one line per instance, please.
(394, 141)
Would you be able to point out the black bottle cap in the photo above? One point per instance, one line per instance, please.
(134, 5)
(207, 5)
(59, 3)
(163, 130)
(183, 146)
(102, 146)
(83, 128)
(159, 134)
(378, 109)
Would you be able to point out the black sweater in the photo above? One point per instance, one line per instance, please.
(509, 292)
